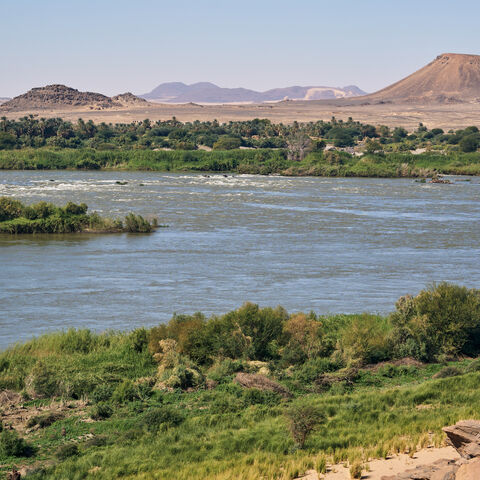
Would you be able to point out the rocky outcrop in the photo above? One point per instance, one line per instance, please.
(261, 382)
(464, 436)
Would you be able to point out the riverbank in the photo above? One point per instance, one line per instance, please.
(220, 397)
(254, 161)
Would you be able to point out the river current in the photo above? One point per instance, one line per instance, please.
(321, 244)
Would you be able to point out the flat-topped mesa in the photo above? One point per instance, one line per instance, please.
(464, 436)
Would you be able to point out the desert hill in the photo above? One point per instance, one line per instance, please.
(450, 78)
(206, 92)
(128, 99)
(62, 97)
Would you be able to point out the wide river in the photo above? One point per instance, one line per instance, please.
(328, 245)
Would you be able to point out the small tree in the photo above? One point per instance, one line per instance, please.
(303, 419)
(299, 145)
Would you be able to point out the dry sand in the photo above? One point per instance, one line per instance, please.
(446, 116)
(395, 465)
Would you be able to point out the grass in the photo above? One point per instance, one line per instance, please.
(224, 433)
(257, 161)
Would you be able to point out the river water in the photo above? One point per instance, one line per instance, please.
(328, 245)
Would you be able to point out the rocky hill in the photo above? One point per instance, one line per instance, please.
(450, 78)
(129, 99)
(205, 92)
(62, 97)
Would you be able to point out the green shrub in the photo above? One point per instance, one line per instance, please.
(11, 445)
(67, 450)
(44, 381)
(101, 411)
(303, 418)
(443, 319)
(10, 208)
(448, 371)
(356, 470)
(44, 421)
(102, 393)
(125, 392)
(161, 418)
(474, 366)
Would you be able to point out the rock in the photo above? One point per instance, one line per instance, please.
(464, 436)
(469, 471)
(254, 380)
(439, 470)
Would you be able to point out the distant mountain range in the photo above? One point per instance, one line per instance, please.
(4, 99)
(205, 92)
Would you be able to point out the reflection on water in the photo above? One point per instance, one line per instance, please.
(329, 245)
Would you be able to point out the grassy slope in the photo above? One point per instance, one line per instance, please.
(261, 161)
(227, 434)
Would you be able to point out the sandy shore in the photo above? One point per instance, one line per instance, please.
(394, 465)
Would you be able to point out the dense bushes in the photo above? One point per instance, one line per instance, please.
(441, 320)
(43, 217)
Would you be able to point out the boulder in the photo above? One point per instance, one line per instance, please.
(464, 436)
(469, 471)
(261, 382)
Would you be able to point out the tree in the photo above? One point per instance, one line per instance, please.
(227, 143)
(303, 419)
(7, 141)
(298, 145)
(469, 143)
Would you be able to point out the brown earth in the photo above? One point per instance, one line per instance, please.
(446, 116)
(65, 98)
(450, 78)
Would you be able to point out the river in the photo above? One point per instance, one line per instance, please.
(323, 244)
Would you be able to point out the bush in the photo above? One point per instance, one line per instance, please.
(102, 393)
(66, 451)
(137, 224)
(365, 339)
(161, 418)
(44, 421)
(11, 445)
(474, 366)
(125, 392)
(44, 381)
(303, 419)
(10, 208)
(449, 371)
(101, 411)
(441, 320)
(356, 470)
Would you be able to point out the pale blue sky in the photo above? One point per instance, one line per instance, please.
(113, 46)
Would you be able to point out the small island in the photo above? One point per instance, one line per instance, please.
(44, 217)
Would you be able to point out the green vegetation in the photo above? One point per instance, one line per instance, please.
(164, 403)
(255, 146)
(43, 217)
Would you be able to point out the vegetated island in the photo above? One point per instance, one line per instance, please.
(44, 217)
(335, 148)
(254, 393)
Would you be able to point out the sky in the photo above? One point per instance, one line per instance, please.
(114, 46)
